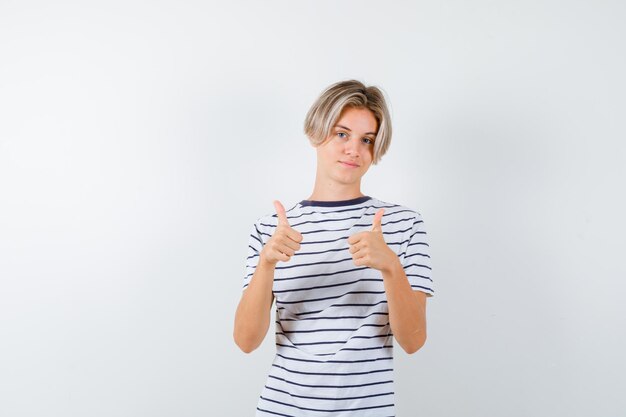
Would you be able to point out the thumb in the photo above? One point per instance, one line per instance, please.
(280, 211)
(376, 223)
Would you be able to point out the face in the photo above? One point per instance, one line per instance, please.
(346, 155)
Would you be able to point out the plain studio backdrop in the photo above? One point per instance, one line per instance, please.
(139, 141)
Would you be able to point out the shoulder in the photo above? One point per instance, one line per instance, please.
(394, 208)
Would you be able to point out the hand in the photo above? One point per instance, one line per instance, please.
(370, 249)
(284, 242)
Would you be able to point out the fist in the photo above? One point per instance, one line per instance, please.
(284, 242)
(370, 249)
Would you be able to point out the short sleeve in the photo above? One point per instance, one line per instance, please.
(416, 260)
(255, 245)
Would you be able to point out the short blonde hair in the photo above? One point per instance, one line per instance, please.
(328, 107)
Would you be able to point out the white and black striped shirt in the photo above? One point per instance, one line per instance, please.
(334, 346)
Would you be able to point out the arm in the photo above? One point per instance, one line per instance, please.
(407, 308)
(252, 318)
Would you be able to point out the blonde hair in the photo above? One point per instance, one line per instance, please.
(327, 109)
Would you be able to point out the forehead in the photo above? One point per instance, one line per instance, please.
(358, 119)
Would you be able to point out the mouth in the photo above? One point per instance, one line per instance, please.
(348, 164)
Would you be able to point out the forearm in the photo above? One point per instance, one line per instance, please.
(253, 312)
(407, 315)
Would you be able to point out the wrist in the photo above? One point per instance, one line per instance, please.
(264, 263)
(393, 267)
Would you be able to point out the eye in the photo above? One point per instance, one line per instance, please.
(341, 133)
(371, 142)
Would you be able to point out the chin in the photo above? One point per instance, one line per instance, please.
(348, 179)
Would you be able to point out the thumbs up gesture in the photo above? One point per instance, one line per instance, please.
(284, 242)
(370, 249)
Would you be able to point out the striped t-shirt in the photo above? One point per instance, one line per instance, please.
(334, 346)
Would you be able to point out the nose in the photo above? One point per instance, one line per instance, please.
(352, 147)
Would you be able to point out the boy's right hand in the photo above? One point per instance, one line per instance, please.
(284, 242)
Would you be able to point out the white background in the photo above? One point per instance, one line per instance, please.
(139, 141)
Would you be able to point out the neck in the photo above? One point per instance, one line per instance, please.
(335, 192)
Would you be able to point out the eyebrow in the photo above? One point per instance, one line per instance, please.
(343, 127)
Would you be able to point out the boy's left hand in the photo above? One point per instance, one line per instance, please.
(370, 249)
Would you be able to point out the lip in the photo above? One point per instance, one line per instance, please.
(348, 164)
